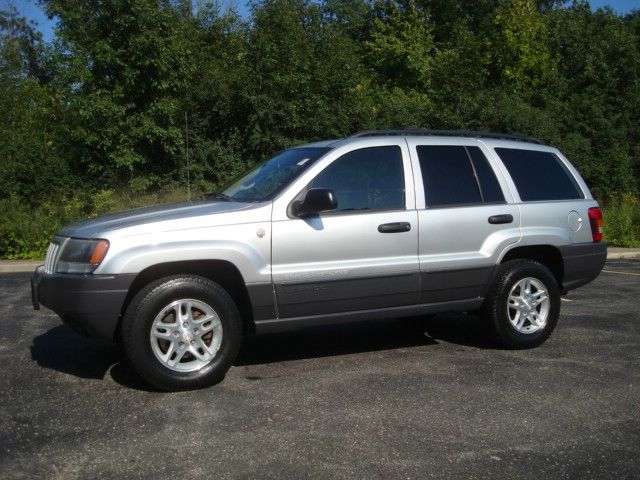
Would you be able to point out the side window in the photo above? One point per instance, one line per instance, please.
(366, 179)
(489, 186)
(539, 175)
(457, 175)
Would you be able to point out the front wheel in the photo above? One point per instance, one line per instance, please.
(523, 305)
(182, 333)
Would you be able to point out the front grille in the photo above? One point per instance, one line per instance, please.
(52, 257)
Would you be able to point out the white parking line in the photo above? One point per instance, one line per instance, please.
(622, 273)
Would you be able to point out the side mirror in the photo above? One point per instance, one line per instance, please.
(317, 200)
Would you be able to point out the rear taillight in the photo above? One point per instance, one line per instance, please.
(597, 223)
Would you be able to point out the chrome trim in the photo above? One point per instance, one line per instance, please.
(52, 257)
(53, 253)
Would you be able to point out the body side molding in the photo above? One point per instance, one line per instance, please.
(293, 323)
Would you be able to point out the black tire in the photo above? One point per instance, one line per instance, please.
(149, 302)
(496, 311)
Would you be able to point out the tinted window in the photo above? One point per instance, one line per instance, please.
(369, 178)
(539, 175)
(448, 176)
(489, 186)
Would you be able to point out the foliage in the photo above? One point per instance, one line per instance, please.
(622, 220)
(125, 67)
(521, 47)
(133, 100)
(31, 125)
(25, 231)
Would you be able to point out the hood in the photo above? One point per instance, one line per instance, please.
(149, 215)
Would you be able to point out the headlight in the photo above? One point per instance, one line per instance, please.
(81, 256)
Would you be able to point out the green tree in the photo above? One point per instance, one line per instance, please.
(401, 47)
(307, 77)
(127, 66)
(597, 102)
(32, 120)
(520, 49)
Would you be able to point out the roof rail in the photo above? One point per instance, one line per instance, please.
(454, 133)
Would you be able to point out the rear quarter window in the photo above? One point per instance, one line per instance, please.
(539, 175)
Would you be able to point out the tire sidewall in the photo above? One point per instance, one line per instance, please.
(142, 313)
(506, 331)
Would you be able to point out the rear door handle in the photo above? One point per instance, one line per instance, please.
(496, 219)
(394, 227)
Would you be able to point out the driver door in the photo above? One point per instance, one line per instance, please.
(360, 256)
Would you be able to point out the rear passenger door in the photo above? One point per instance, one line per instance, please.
(466, 217)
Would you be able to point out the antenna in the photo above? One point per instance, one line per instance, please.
(186, 136)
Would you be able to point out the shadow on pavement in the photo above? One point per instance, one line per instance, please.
(364, 337)
(461, 329)
(63, 350)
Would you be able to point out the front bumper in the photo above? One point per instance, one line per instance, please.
(90, 304)
(582, 263)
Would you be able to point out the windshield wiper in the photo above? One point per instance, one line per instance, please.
(217, 196)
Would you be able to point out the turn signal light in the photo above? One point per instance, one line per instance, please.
(597, 223)
(99, 252)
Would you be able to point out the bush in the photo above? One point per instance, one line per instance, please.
(25, 230)
(622, 220)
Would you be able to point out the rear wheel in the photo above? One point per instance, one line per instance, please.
(182, 333)
(523, 305)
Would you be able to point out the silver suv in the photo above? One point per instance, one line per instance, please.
(380, 224)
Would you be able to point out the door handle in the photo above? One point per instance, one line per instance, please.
(394, 227)
(496, 219)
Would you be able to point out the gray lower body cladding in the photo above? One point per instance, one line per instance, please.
(455, 285)
(308, 304)
(286, 324)
(90, 304)
(329, 297)
(582, 263)
(363, 294)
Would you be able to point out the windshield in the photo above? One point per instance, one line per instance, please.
(270, 177)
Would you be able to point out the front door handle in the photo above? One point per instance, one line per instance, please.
(496, 219)
(394, 227)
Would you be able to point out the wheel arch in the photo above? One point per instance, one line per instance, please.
(223, 272)
(547, 255)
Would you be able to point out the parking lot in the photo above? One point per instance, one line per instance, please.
(426, 398)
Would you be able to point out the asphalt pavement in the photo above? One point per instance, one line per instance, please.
(410, 399)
